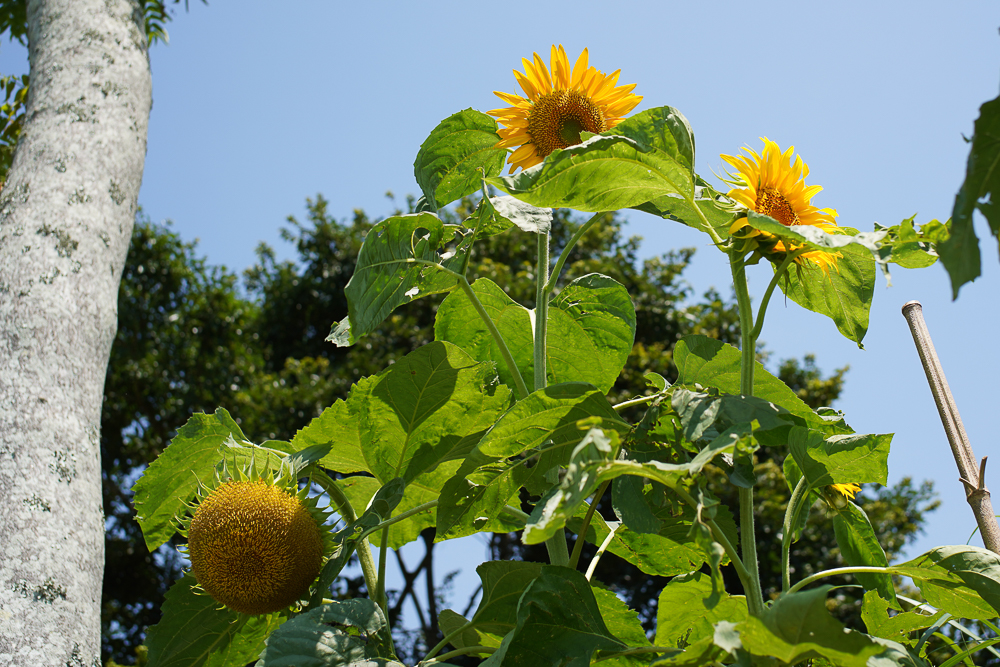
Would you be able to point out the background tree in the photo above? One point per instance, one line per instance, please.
(266, 361)
(66, 212)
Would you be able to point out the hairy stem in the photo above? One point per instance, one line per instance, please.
(792, 512)
(837, 571)
(748, 345)
(347, 514)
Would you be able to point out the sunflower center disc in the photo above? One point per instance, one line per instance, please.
(557, 119)
(773, 203)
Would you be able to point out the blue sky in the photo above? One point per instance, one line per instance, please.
(257, 107)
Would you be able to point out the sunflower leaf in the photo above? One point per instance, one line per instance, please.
(859, 545)
(840, 459)
(980, 191)
(684, 615)
(961, 580)
(194, 632)
(172, 479)
(526, 217)
(403, 258)
(449, 161)
(845, 295)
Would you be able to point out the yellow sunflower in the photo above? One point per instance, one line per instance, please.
(558, 106)
(847, 490)
(774, 184)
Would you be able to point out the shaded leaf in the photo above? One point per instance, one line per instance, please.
(962, 580)
(875, 614)
(840, 459)
(318, 637)
(859, 546)
(624, 624)
(980, 191)
(194, 632)
(683, 616)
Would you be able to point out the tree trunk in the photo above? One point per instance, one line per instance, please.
(66, 214)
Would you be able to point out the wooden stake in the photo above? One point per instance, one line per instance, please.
(973, 477)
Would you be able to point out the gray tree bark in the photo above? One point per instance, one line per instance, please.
(66, 214)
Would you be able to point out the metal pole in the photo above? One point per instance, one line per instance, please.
(971, 475)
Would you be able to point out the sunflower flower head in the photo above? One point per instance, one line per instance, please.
(847, 490)
(559, 103)
(773, 183)
(256, 542)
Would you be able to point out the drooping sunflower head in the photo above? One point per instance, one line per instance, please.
(558, 105)
(773, 184)
(256, 543)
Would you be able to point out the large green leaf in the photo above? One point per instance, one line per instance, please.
(712, 363)
(624, 624)
(171, 480)
(703, 416)
(590, 334)
(549, 416)
(980, 191)
(875, 614)
(962, 580)
(909, 248)
(319, 637)
(683, 615)
(840, 459)
(707, 204)
(458, 322)
(449, 161)
(607, 173)
(558, 623)
(475, 496)
(859, 546)
(400, 260)
(844, 295)
(799, 627)
(337, 427)
(503, 584)
(195, 632)
(462, 633)
(591, 331)
(429, 407)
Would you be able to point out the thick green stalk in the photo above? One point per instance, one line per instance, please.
(550, 282)
(748, 345)
(792, 512)
(347, 514)
(383, 550)
(555, 545)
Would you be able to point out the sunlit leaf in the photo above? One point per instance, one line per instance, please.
(449, 161)
(624, 624)
(683, 616)
(962, 580)
(401, 260)
(798, 626)
(840, 459)
(875, 614)
(173, 478)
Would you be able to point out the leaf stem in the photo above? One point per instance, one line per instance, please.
(401, 516)
(346, 511)
(522, 389)
(748, 345)
(447, 639)
(792, 512)
(778, 274)
(854, 569)
(574, 558)
(457, 652)
(550, 282)
(635, 401)
(638, 650)
(600, 552)
(380, 597)
(721, 538)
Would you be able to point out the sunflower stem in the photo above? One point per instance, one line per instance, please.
(347, 513)
(837, 571)
(447, 639)
(792, 512)
(457, 652)
(550, 282)
(400, 517)
(748, 346)
(574, 558)
(380, 598)
(555, 545)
